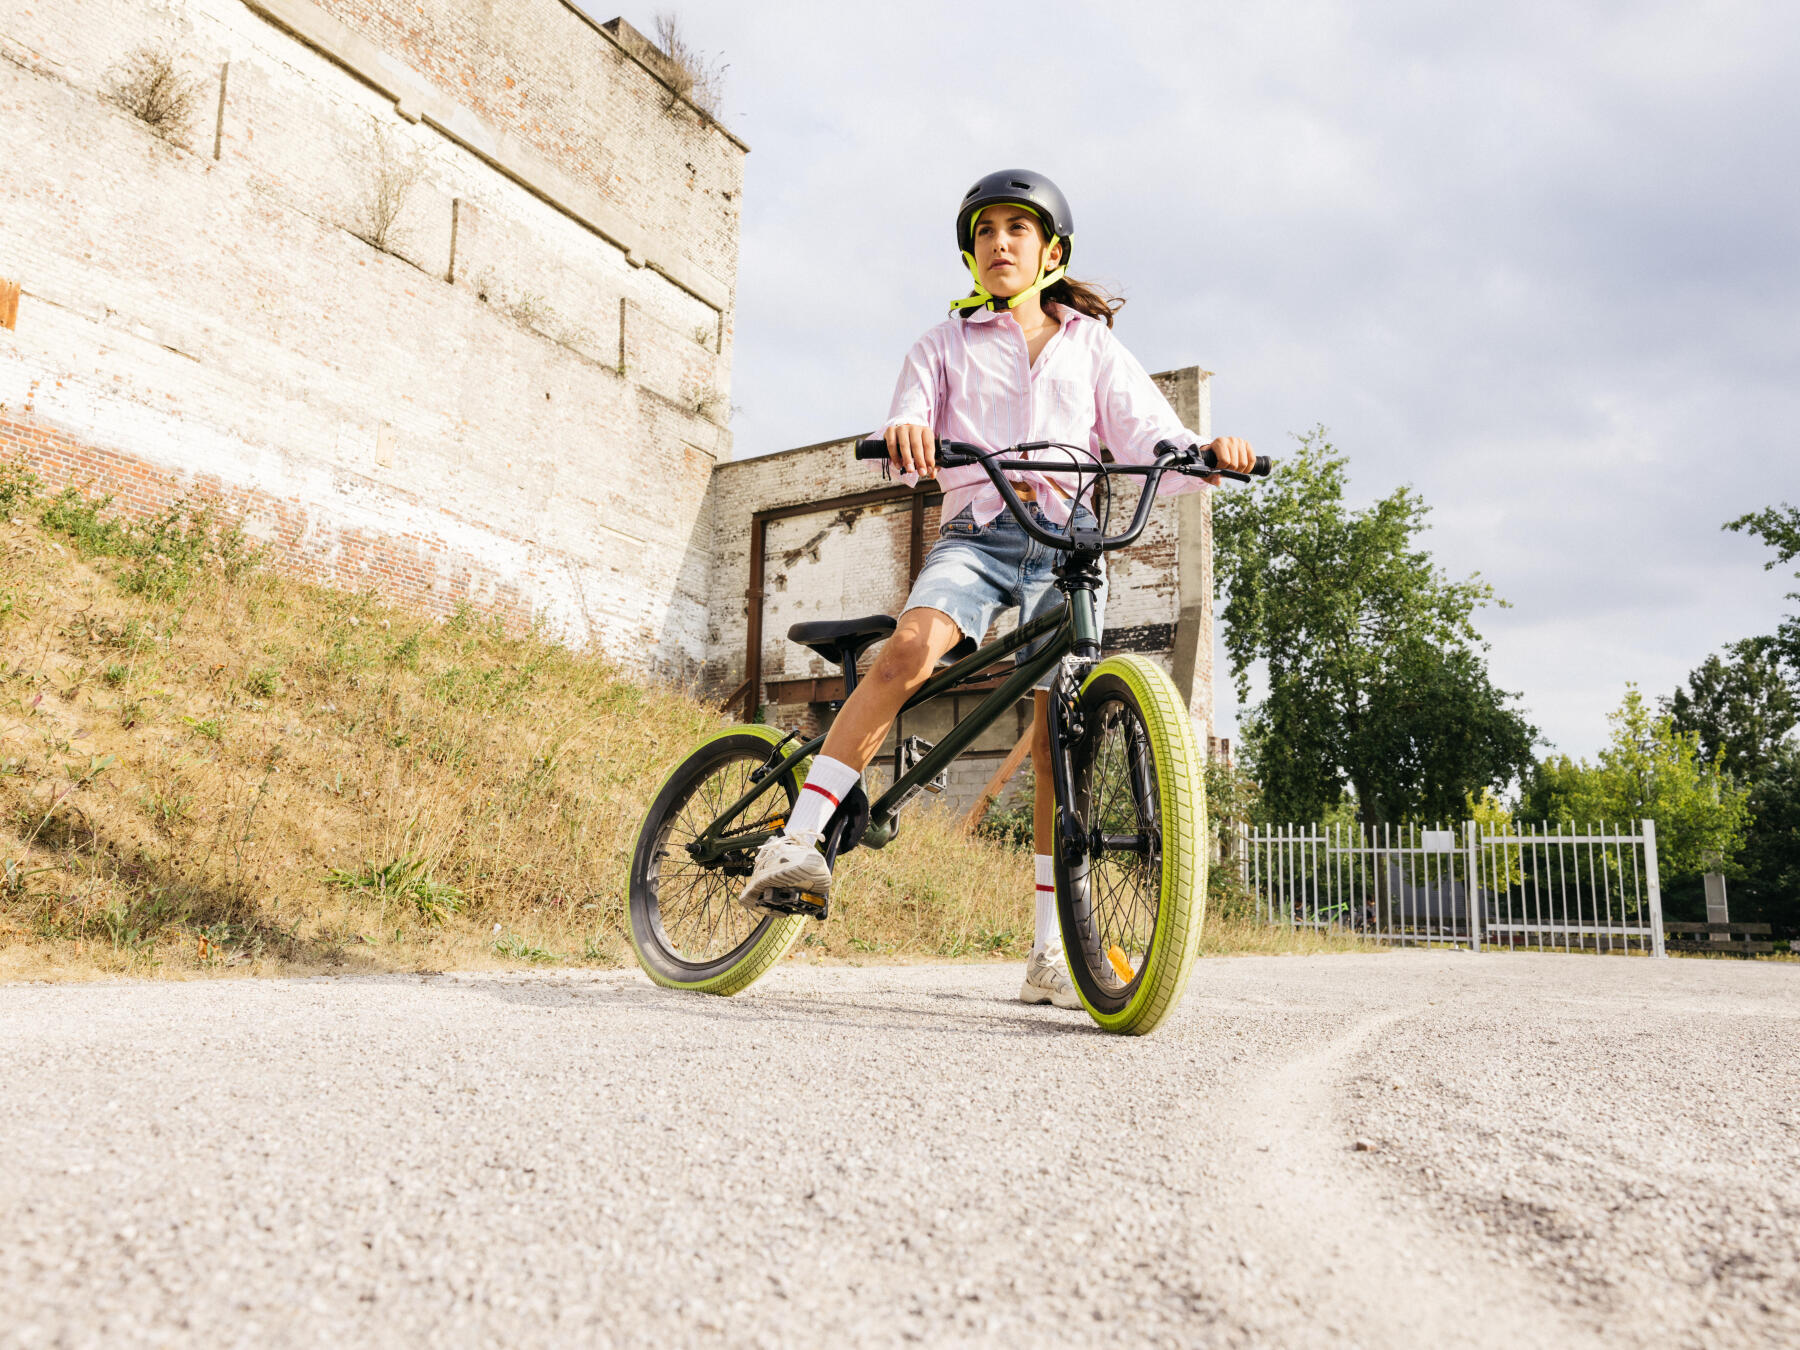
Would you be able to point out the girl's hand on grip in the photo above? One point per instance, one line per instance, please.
(1232, 453)
(912, 449)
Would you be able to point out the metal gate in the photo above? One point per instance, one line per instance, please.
(1540, 888)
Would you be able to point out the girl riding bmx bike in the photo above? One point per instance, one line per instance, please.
(1006, 404)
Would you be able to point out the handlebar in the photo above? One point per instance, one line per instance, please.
(1192, 462)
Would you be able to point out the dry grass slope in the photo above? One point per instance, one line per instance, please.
(205, 767)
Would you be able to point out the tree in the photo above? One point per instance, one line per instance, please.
(1649, 770)
(1746, 712)
(1779, 528)
(1377, 677)
(1766, 884)
(1741, 708)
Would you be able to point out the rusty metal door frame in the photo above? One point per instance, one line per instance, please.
(920, 497)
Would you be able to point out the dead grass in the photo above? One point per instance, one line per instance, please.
(206, 768)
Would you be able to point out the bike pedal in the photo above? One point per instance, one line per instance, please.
(798, 902)
(907, 754)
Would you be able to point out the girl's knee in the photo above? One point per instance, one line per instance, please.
(904, 660)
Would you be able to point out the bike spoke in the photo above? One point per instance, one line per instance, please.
(1124, 882)
(697, 902)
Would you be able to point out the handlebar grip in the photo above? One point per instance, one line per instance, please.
(1260, 469)
(950, 454)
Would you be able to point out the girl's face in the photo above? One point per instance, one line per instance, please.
(1009, 242)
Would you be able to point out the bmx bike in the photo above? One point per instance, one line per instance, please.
(1130, 842)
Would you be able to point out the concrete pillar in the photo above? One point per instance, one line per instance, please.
(1716, 910)
(1191, 659)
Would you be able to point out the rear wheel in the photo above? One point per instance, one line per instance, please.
(1132, 909)
(685, 923)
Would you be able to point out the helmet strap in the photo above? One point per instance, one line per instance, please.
(986, 299)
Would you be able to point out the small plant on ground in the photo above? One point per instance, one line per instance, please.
(263, 683)
(150, 86)
(19, 486)
(406, 878)
(516, 948)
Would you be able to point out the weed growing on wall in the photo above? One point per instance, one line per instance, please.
(698, 78)
(150, 86)
(534, 314)
(392, 174)
(707, 401)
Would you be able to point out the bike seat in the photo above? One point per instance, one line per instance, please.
(841, 641)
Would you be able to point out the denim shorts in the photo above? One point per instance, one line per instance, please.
(975, 571)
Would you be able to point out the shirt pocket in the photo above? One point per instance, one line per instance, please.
(1065, 409)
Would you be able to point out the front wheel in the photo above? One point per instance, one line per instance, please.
(1131, 909)
(685, 923)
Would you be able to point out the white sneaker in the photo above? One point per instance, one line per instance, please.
(786, 864)
(1047, 981)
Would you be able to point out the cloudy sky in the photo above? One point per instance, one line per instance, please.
(1540, 260)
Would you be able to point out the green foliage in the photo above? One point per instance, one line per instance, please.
(19, 486)
(1232, 796)
(1766, 888)
(1377, 676)
(166, 553)
(212, 728)
(1779, 528)
(1741, 708)
(406, 878)
(1652, 770)
(264, 683)
(1010, 817)
(516, 948)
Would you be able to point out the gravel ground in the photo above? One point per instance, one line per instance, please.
(1413, 1149)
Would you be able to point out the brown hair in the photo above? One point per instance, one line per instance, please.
(1085, 299)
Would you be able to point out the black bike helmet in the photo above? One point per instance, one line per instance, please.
(1017, 187)
(1014, 187)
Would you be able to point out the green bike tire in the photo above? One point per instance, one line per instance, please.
(736, 970)
(1119, 688)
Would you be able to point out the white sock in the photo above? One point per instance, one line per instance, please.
(1048, 939)
(828, 782)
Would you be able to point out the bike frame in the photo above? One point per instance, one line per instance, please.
(1072, 626)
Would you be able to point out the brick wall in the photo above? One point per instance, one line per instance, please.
(515, 401)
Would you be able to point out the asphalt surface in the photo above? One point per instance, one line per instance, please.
(1413, 1149)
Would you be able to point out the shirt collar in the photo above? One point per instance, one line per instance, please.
(1064, 315)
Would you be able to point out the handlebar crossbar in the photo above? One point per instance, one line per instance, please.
(1170, 458)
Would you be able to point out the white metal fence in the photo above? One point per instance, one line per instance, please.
(1525, 887)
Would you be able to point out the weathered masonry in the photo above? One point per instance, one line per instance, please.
(435, 295)
(435, 298)
(813, 534)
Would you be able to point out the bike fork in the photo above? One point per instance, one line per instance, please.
(1065, 729)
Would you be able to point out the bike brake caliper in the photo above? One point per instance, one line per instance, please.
(777, 753)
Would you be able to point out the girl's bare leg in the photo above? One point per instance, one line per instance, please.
(903, 665)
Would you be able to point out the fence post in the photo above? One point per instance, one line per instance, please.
(1472, 891)
(1653, 887)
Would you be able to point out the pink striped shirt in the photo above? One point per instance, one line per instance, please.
(973, 380)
